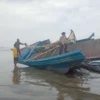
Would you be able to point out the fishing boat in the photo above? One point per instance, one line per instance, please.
(49, 58)
(84, 40)
(91, 65)
(90, 47)
(59, 62)
(27, 53)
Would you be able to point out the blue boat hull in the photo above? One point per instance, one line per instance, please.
(25, 53)
(59, 62)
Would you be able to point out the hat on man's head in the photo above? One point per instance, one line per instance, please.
(63, 33)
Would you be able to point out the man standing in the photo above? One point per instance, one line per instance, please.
(15, 55)
(17, 45)
(63, 45)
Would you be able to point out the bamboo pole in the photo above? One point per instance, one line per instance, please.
(53, 53)
(40, 54)
(30, 52)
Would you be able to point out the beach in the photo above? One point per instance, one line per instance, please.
(25, 83)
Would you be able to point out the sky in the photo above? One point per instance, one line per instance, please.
(35, 20)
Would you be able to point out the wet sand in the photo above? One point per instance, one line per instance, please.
(26, 83)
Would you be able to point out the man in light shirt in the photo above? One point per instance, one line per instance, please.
(63, 43)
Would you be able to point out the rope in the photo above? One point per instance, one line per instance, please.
(31, 51)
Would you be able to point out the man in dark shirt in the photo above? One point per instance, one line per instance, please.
(17, 45)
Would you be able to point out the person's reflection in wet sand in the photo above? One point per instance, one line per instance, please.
(60, 96)
(16, 76)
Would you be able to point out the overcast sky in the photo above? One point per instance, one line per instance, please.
(33, 20)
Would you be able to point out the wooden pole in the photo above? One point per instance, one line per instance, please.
(41, 54)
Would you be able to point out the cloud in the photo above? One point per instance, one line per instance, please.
(33, 20)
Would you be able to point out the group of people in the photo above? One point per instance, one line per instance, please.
(17, 53)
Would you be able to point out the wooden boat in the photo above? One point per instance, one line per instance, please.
(50, 58)
(90, 48)
(85, 39)
(29, 51)
(60, 62)
(26, 52)
(92, 66)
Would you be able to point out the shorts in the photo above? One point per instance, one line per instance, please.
(16, 59)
